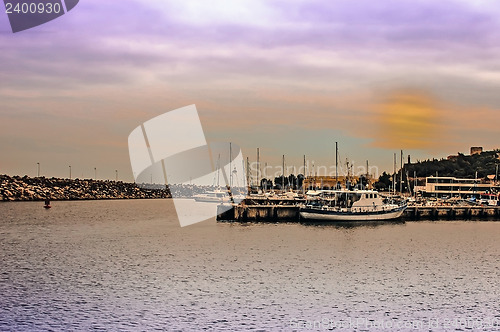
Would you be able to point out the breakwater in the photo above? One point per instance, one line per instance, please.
(25, 188)
(17, 188)
(290, 213)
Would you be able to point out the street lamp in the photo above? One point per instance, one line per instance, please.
(496, 174)
(95, 173)
(116, 173)
(70, 172)
(38, 169)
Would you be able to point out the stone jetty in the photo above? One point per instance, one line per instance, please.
(16, 188)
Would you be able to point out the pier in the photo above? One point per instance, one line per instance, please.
(452, 212)
(289, 212)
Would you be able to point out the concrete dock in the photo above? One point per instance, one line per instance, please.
(290, 213)
(452, 212)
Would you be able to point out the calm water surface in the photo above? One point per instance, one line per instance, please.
(127, 265)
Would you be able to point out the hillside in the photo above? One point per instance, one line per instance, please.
(460, 166)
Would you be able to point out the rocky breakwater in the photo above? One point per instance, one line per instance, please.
(18, 188)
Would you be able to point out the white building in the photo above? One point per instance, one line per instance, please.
(452, 187)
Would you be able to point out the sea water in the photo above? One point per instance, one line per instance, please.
(128, 265)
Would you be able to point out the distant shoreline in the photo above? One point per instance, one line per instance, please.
(17, 188)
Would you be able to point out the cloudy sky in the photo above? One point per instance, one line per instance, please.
(291, 77)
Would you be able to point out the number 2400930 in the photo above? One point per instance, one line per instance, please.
(33, 8)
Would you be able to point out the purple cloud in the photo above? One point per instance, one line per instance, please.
(159, 55)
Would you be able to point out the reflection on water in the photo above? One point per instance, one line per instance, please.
(128, 265)
(352, 224)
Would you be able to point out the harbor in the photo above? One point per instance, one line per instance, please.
(288, 211)
(397, 197)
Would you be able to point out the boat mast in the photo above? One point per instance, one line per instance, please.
(230, 168)
(348, 169)
(415, 184)
(283, 176)
(367, 174)
(401, 177)
(394, 177)
(352, 171)
(258, 169)
(303, 180)
(243, 169)
(218, 171)
(248, 175)
(475, 184)
(496, 173)
(336, 165)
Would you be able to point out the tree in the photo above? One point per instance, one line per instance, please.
(462, 166)
(266, 184)
(384, 182)
(278, 182)
(300, 180)
(292, 180)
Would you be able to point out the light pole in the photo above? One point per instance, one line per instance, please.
(496, 174)
(70, 172)
(116, 173)
(95, 173)
(38, 169)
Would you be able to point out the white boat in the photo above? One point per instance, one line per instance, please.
(490, 199)
(216, 196)
(349, 205)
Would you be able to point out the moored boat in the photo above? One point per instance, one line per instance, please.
(350, 205)
(216, 196)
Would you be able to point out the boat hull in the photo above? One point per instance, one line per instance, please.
(211, 200)
(334, 216)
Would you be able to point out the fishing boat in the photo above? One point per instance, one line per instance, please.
(350, 205)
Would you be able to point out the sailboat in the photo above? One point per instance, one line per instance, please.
(214, 196)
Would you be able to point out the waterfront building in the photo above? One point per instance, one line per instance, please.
(455, 187)
(329, 182)
(476, 150)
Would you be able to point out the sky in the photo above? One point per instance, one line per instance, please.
(290, 77)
